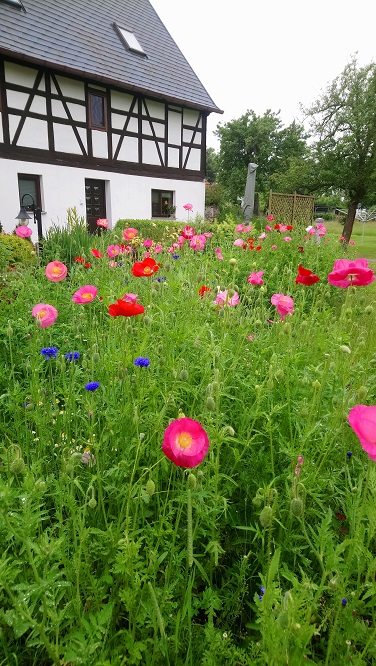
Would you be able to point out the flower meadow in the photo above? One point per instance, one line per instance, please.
(188, 448)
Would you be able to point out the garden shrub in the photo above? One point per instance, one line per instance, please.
(16, 251)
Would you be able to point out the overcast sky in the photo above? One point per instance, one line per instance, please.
(268, 54)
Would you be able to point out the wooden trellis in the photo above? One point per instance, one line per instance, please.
(291, 208)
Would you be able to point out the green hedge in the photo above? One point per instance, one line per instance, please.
(16, 251)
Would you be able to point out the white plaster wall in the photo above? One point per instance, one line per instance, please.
(64, 187)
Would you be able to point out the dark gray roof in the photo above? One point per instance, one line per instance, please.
(78, 37)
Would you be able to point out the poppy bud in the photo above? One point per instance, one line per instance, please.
(362, 391)
(286, 328)
(9, 330)
(17, 466)
(368, 310)
(279, 375)
(210, 404)
(150, 488)
(232, 261)
(296, 506)
(266, 516)
(40, 485)
(316, 385)
(192, 480)
(92, 503)
(283, 620)
(183, 375)
(345, 349)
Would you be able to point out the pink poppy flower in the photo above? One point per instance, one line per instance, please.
(188, 232)
(263, 235)
(45, 315)
(362, 419)
(218, 253)
(188, 206)
(56, 271)
(256, 278)
(207, 234)
(147, 255)
(239, 242)
(102, 223)
(223, 299)
(346, 273)
(147, 242)
(282, 227)
(158, 249)
(267, 228)
(239, 228)
(351, 242)
(113, 251)
(181, 241)
(270, 218)
(23, 231)
(284, 304)
(126, 249)
(96, 253)
(198, 242)
(85, 294)
(185, 442)
(287, 239)
(130, 298)
(251, 337)
(130, 233)
(248, 227)
(274, 247)
(112, 263)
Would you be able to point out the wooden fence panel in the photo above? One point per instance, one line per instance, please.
(291, 208)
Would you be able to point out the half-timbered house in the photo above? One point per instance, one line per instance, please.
(99, 110)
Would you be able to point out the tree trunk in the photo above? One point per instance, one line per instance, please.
(349, 222)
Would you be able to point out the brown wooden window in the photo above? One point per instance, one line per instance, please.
(162, 203)
(97, 110)
(29, 191)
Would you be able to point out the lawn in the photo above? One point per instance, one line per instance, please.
(187, 447)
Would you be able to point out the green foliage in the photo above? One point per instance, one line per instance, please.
(214, 194)
(343, 121)
(258, 139)
(238, 562)
(15, 251)
(211, 165)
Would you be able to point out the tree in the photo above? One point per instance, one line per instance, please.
(344, 121)
(259, 139)
(211, 165)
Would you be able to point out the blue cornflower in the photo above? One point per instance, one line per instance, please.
(344, 602)
(349, 454)
(120, 263)
(49, 352)
(161, 279)
(92, 386)
(175, 256)
(262, 589)
(72, 356)
(142, 361)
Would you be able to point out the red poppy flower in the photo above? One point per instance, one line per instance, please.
(87, 265)
(289, 227)
(125, 309)
(259, 247)
(301, 248)
(203, 290)
(96, 253)
(80, 260)
(276, 226)
(145, 268)
(305, 276)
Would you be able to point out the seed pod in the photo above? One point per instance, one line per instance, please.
(266, 516)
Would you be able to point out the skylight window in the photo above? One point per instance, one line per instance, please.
(14, 3)
(130, 40)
